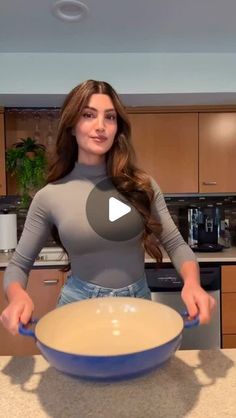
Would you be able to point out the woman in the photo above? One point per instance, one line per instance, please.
(93, 146)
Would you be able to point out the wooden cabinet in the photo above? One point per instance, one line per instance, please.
(228, 287)
(44, 287)
(166, 145)
(187, 150)
(217, 152)
(2, 155)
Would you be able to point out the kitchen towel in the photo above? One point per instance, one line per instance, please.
(8, 231)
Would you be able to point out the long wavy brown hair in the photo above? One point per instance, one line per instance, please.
(128, 179)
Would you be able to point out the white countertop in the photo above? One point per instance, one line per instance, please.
(53, 256)
(48, 256)
(226, 256)
(193, 384)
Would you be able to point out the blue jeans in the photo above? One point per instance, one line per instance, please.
(75, 289)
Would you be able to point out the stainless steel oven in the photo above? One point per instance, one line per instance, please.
(165, 285)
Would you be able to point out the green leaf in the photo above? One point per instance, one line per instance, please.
(30, 174)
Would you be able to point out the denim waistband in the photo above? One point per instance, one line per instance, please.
(133, 287)
(76, 289)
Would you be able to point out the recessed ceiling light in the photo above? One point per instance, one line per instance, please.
(69, 10)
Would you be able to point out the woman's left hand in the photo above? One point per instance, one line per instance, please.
(198, 302)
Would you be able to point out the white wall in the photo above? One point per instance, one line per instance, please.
(41, 79)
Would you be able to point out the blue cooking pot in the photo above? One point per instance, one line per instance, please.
(109, 338)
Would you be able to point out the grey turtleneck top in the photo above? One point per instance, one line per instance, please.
(93, 258)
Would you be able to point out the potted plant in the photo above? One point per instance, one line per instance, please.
(26, 161)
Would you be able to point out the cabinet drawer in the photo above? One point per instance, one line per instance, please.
(229, 313)
(228, 279)
(229, 341)
(44, 286)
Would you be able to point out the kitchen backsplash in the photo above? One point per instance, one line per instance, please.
(12, 204)
(176, 205)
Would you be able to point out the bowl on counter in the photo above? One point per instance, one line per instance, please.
(110, 337)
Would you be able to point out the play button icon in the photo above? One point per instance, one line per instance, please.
(117, 209)
(110, 214)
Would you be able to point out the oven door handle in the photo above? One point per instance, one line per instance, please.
(189, 323)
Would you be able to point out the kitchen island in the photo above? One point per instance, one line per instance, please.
(193, 384)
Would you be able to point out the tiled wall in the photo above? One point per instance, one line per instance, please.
(12, 204)
(176, 206)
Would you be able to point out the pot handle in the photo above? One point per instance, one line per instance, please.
(189, 323)
(27, 332)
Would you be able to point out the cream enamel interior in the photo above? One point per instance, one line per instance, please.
(109, 326)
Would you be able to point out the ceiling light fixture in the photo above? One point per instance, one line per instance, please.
(69, 10)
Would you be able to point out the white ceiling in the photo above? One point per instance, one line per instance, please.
(128, 27)
(120, 26)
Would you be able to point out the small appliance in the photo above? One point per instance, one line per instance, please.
(206, 229)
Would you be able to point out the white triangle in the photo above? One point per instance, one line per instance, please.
(117, 209)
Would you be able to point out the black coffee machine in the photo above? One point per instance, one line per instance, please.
(205, 228)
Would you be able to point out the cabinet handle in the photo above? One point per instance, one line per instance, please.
(50, 282)
(209, 183)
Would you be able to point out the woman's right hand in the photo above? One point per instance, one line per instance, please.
(19, 309)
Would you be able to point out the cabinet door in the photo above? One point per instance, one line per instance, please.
(228, 275)
(2, 156)
(229, 341)
(167, 148)
(217, 152)
(44, 287)
(229, 313)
